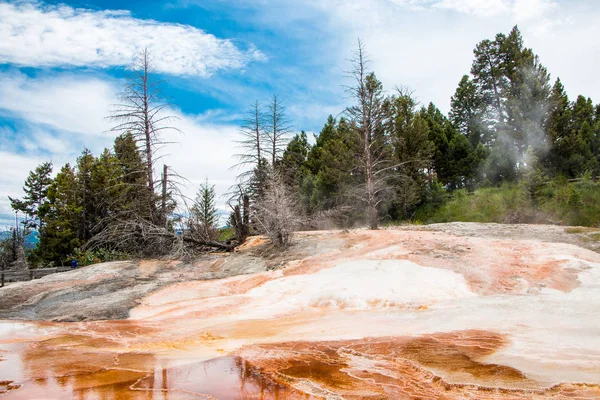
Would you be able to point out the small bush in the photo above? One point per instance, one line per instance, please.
(90, 257)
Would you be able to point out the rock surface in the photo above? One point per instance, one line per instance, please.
(451, 311)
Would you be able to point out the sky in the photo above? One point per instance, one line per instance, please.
(63, 63)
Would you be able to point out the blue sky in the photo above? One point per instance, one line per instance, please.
(61, 64)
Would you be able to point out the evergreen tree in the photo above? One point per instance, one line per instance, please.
(34, 203)
(294, 171)
(85, 196)
(466, 112)
(332, 163)
(455, 161)
(106, 186)
(413, 151)
(488, 76)
(514, 88)
(131, 194)
(367, 116)
(204, 216)
(59, 237)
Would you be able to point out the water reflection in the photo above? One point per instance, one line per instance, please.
(67, 367)
(223, 378)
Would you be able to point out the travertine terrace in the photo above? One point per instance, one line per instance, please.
(456, 311)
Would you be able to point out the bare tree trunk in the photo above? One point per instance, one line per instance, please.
(15, 240)
(239, 224)
(164, 195)
(274, 111)
(147, 124)
(140, 113)
(371, 198)
(246, 216)
(279, 129)
(367, 114)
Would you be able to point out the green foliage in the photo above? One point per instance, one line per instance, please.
(413, 151)
(226, 234)
(34, 203)
(512, 94)
(455, 161)
(70, 209)
(294, 166)
(204, 216)
(574, 129)
(89, 257)
(466, 112)
(560, 202)
(332, 163)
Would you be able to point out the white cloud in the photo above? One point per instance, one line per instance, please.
(428, 44)
(484, 8)
(32, 34)
(525, 10)
(66, 125)
(66, 103)
(13, 171)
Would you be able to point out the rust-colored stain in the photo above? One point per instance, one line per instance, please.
(440, 366)
(200, 340)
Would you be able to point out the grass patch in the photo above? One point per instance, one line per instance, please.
(226, 234)
(580, 229)
(561, 203)
(595, 237)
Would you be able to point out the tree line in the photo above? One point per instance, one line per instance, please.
(381, 159)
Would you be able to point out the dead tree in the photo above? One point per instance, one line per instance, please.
(240, 217)
(137, 236)
(277, 130)
(141, 112)
(251, 142)
(163, 198)
(367, 115)
(276, 212)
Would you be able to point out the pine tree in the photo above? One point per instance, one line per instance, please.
(413, 152)
(466, 112)
(514, 88)
(332, 163)
(59, 237)
(204, 216)
(132, 196)
(85, 195)
(455, 161)
(294, 170)
(34, 203)
(488, 76)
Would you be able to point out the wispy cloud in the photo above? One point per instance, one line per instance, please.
(37, 35)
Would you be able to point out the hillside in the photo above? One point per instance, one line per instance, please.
(31, 240)
(449, 311)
